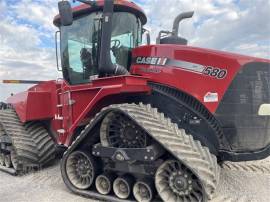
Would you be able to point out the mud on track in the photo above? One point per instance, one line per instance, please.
(47, 186)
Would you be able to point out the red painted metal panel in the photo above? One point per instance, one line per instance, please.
(19, 103)
(88, 98)
(32, 105)
(197, 85)
(37, 103)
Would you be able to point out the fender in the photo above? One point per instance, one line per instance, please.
(89, 99)
(182, 109)
(37, 103)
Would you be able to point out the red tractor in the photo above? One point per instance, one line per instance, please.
(139, 123)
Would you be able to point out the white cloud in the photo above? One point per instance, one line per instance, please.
(14, 35)
(23, 27)
(254, 49)
(39, 12)
(219, 24)
(20, 52)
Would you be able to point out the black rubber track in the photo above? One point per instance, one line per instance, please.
(182, 146)
(254, 166)
(32, 145)
(45, 145)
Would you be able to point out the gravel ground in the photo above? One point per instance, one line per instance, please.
(47, 186)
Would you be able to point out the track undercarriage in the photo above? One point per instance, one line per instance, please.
(132, 152)
(23, 147)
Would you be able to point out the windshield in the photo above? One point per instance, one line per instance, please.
(80, 45)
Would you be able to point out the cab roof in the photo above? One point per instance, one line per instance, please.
(119, 5)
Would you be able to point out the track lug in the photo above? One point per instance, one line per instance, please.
(10, 171)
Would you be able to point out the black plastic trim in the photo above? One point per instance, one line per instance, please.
(117, 8)
(216, 140)
(245, 156)
(246, 131)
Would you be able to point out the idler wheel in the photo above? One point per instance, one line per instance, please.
(175, 183)
(81, 169)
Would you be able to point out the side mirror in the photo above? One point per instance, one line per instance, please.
(65, 12)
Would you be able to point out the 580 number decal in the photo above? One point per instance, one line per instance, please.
(215, 72)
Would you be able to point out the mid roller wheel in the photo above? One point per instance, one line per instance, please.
(104, 183)
(81, 169)
(122, 187)
(143, 191)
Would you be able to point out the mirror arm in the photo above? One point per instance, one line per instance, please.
(57, 33)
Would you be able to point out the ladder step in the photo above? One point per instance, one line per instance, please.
(59, 118)
(61, 131)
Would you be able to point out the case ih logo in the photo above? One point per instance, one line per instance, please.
(151, 61)
(214, 72)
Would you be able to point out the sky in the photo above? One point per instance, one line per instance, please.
(27, 32)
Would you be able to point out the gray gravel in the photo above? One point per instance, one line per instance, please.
(47, 186)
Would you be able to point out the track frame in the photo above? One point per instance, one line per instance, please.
(148, 154)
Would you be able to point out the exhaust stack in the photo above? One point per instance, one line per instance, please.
(167, 37)
(178, 19)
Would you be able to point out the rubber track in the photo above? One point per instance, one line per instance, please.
(253, 166)
(230, 199)
(181, 145)
(31, 142)
(44, 143)
(10, 171)
(2, 131)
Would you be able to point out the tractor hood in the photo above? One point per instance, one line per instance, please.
(180, 65)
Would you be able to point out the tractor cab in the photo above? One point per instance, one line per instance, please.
(97, 38)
